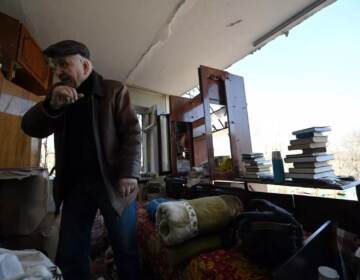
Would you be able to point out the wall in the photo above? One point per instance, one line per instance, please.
(147, 98)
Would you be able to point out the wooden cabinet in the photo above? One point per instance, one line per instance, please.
(17, 149)
(21, 57)
(30, 57)
(195, 121)
(226, 91)
(9, 35)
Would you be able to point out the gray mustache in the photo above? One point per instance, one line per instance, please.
(64, 78)
(67, 80)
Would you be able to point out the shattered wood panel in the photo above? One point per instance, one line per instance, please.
(238, 121)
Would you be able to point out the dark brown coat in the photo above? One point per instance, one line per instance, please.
(117, 137)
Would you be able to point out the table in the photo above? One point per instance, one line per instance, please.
(337, 183)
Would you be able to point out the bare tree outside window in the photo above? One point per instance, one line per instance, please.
(347, 156)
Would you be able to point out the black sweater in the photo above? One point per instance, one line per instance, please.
(82, 164)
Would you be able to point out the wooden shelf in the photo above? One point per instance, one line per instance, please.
(305, 183)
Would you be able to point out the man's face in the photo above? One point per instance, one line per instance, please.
(70, 69)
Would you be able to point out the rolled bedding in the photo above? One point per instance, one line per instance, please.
(179, 221)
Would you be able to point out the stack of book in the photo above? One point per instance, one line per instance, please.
(313, 162)
(256, 165)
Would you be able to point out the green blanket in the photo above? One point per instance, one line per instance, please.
(179, 221)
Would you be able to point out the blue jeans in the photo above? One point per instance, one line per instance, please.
(78, 214)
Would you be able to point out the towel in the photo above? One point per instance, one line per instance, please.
(178, 221)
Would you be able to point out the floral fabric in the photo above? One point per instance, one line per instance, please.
(219, 264)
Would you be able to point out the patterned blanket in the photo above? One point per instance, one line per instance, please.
(218, 264)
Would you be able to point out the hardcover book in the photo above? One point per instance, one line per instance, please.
(312, 151)
(309, 159)
(257, 172)
(316, 139)
(261, 175)
(257, 168)
(312, 129)
(256, 161)
(311, 170)
(309, 134)
(306, 155)
(253, 155)
(307, 146)
(310, 164)
(310, 176)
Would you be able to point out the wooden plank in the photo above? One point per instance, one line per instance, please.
(200, 150)
(204, 74)
(177, 105)
(15, 145)
(186, 110)
(238, 121)
(17, 149)
(198, 122)
(196, 108)
(10, 88)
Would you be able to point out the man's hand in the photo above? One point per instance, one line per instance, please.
(62, 96)
(126, 186)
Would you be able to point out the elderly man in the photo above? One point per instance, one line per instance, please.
(97, 146)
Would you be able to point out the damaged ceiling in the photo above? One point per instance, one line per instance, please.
(159, 44)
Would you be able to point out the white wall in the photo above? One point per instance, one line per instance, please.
(147, 98)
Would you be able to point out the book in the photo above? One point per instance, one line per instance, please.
(253, 155)
(315, 150)
(254, 161)
(311, 170)
(306, 155)
(309, 159)
(310, 164)
(258, 168)
(315, 139)
(312, 129)
(257, 172)
(307, 146)
(262, 175)
(309, 134)
(310, 176)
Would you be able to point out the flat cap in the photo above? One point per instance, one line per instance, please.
(65, 48)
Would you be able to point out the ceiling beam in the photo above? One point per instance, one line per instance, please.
(284, 27)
